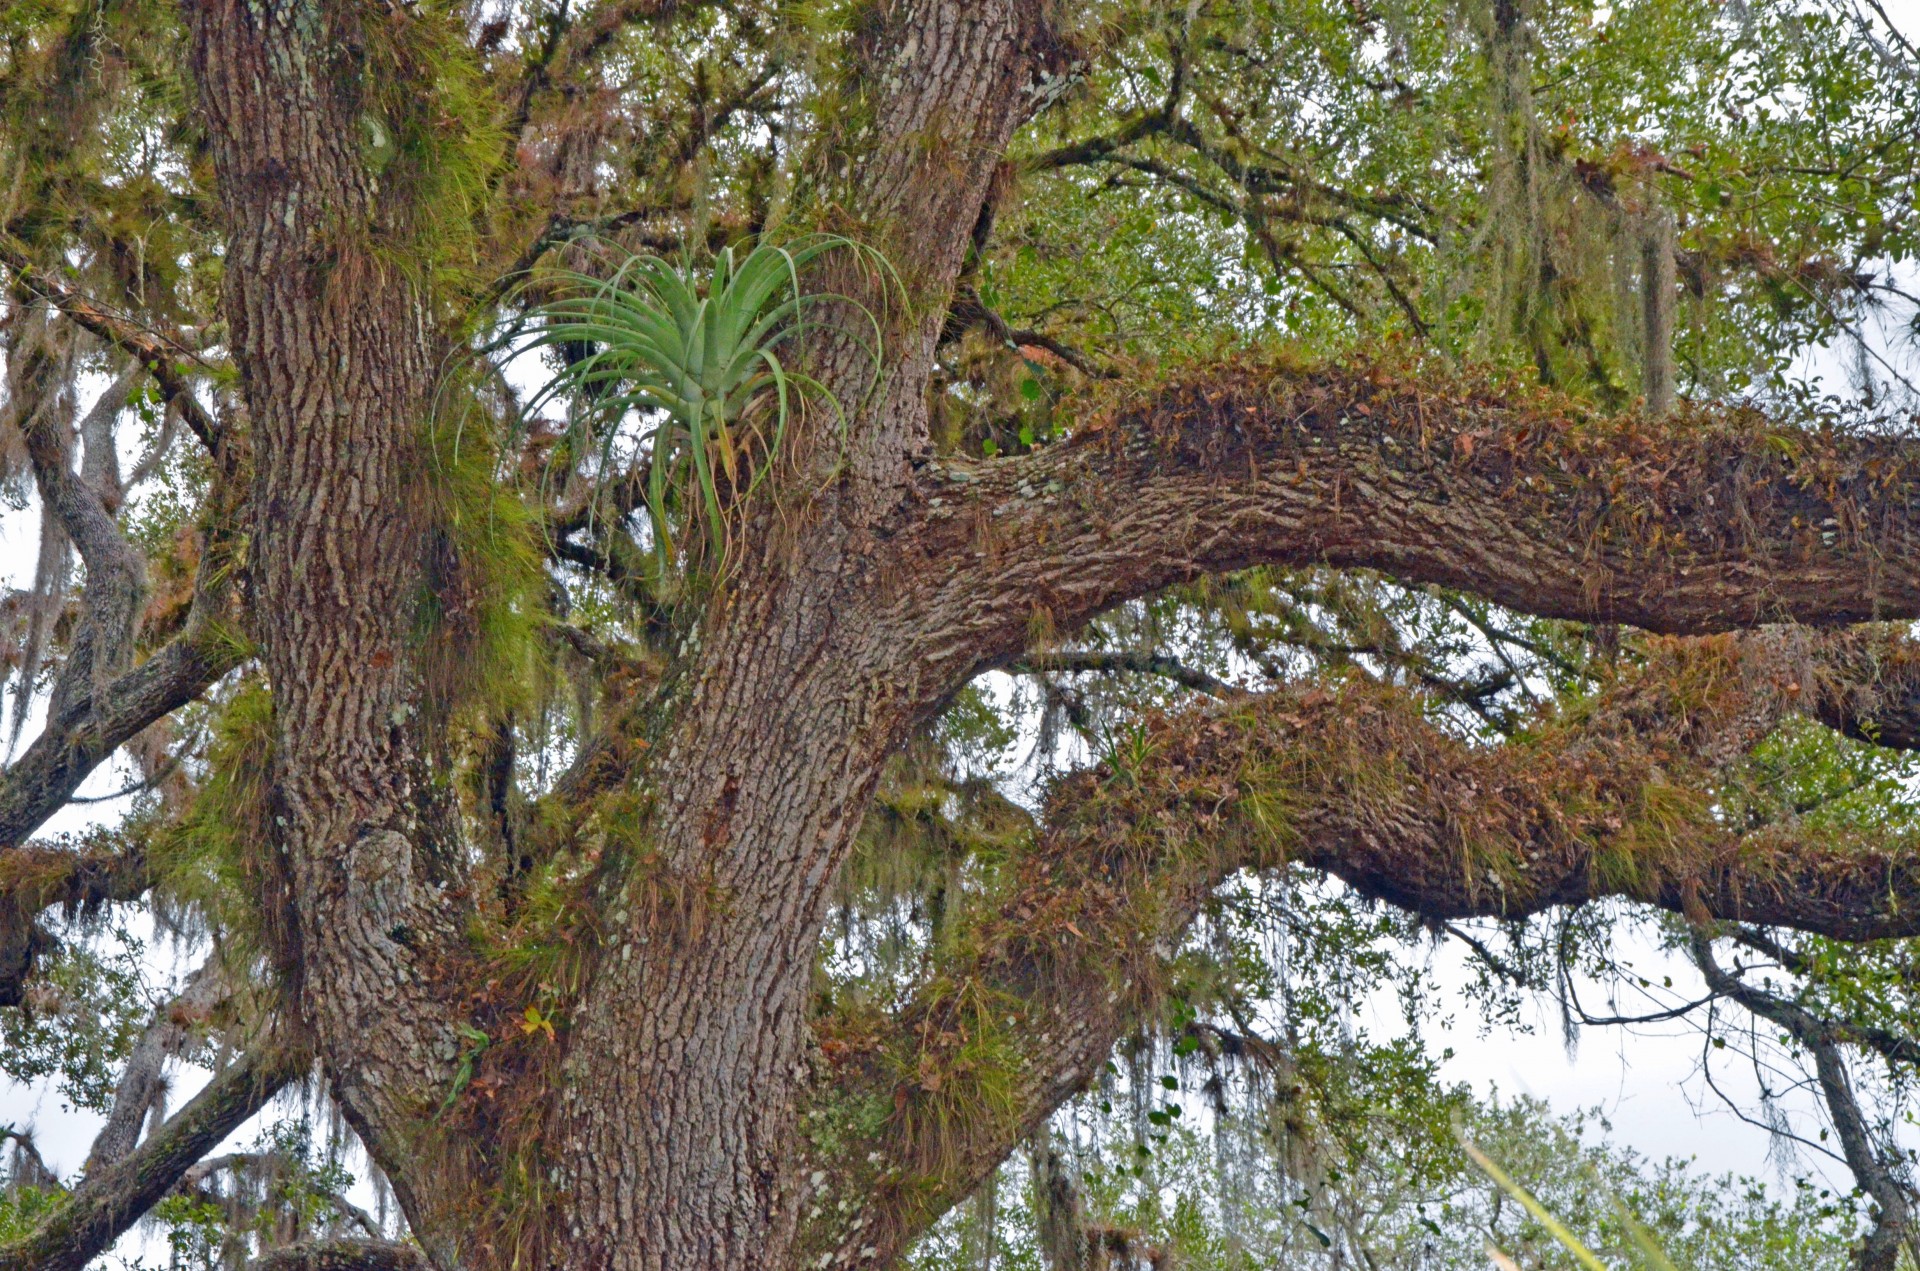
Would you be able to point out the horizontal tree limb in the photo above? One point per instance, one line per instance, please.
(1705, 519)
(342, 1255)
(1616, 798)
(1123, 662)
(73, 745)
(36, 879)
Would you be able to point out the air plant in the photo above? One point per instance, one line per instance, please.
(701, 360)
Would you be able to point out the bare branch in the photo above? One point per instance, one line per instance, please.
(94, 715)
(1876, 1174)
(103, 640)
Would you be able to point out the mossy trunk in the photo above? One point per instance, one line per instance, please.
(334, 346)
(665, 1134)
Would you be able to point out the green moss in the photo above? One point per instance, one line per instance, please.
(484, 612)
(960, 1071)
(215, 860)
(24, 1209)
(1660, 827)
(431, 142)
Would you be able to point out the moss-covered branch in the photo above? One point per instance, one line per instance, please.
(109, 1202)
(342, 1255)
(161, 357)
(1616, 798)
(35, 879)
(102, 700)
(76, 741)
(1705, 519)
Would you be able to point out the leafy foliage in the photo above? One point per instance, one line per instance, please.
(1222, 1200)
(82, 1019)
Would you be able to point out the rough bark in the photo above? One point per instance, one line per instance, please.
(333, 341)
(675, 1131)
(342, 1255)
(1703, 520)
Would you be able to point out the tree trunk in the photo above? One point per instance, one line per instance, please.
(675, 1133)
(334, 347)
(673, 1137)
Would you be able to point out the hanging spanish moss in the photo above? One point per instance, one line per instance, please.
(1574, 257)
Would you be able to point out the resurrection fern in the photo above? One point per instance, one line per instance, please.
(698, 360)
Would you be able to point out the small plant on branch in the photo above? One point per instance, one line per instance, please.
(700, 358)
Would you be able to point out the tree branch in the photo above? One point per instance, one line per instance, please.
(1707, 519)
(142, 1082)
(1892, 1225)
(74, 744)
(1895, 1048)
(575, 42)
(158, 355)
(36, 879)
(95, 1214)
(944, 85)
(96, 719)
(342, 1255)
(1104, 663)
(103, 640)
(1350, 778)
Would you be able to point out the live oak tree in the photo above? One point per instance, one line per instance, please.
(520, 795)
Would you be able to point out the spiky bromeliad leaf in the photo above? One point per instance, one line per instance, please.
(698, 361)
